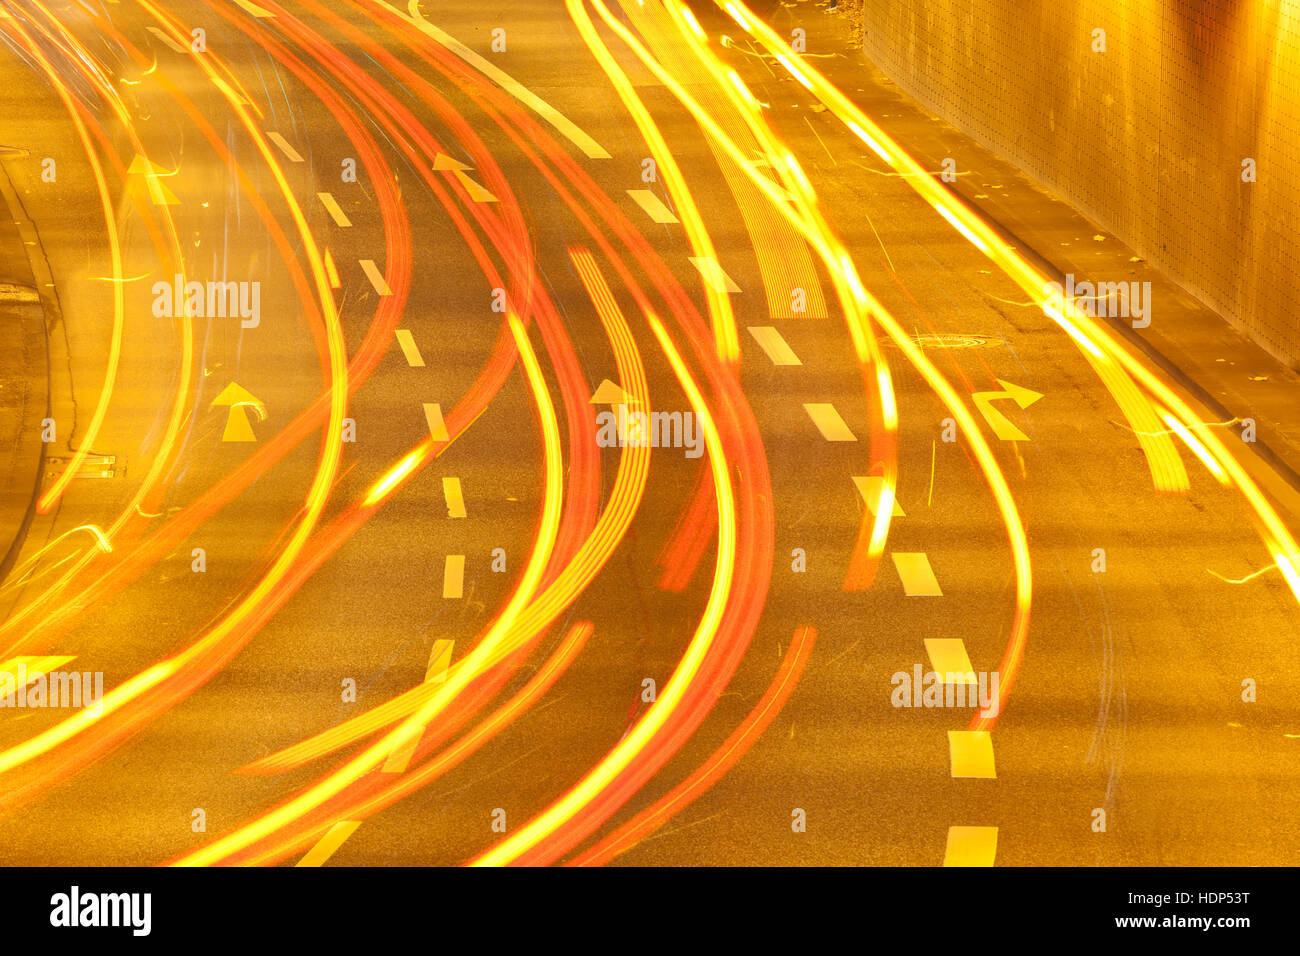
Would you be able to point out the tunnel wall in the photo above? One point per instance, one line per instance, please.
(1146, 138)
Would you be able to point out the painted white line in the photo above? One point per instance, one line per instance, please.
(437, 427)
(948, 656)
(254, 9)
(455, 498)
(436, 673)
(607, 393)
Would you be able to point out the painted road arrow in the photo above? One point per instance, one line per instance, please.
(160, 194)
(238, 399)
(607, 393)
(1001, 425)
(476, 192)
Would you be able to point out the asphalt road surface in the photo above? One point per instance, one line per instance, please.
(359, 538)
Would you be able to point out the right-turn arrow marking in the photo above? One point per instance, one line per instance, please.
(1001, 425)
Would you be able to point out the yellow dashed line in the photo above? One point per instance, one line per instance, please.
(376, 277)
(871, 487)
(254, 9)
(453, 576)
(971, 846)
(918, 578)
(948, 656)
(771, 342)
(332, 207)
(330, 842)
(828, 421)
(285, 147)
(971, 753)
(436, 673)
(409, 349)
(653, 206)
(437, 427)
(455, 499)
(712, 273)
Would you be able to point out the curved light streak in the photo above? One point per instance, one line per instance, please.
(618, 759)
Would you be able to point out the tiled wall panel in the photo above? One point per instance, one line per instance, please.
(1147, 138)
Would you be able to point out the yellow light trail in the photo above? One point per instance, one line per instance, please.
(1197, 448)
(459, 676)
(19, 575)
(622, 755)
(1273, 531)
(163, 456)
(727, 340)
(811, 226)
(783, 259)
(819, 235)
(88, 438)
(395, 476)
(624, 501)
(317, 494)
(541, 681)
(81, 58)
